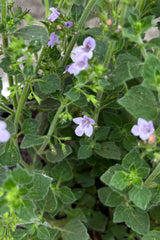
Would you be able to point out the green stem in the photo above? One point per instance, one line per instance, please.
(109, 53)
(6, 109)
(47, 8)
(20, 105)
(123, 13)
(80, 24)
(60, 4)
(39, 60)
(52, 128)
(140, 5)
(153, 175)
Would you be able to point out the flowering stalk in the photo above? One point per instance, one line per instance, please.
(123, 13)
(52, 128)
(140, 5)
(47, 8)
(82, 20)
(5, 42)
(22, 100)
(60, 4)
(153, 175)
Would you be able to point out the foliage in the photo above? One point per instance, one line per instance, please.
(74, 166)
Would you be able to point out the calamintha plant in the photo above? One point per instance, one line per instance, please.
(80, 130)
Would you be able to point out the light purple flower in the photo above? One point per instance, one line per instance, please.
(143, 129)
(53, 40)
(68, 24)
(85, 126)
(76, 67)
(85, 50)
(4, 134)
(54, 15)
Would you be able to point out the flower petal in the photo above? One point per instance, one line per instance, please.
(79, 131)
(4, 135)
(3, 125)
(141, 122)
(88, 130)
(90, 120)
(77, 120)
(135, 130)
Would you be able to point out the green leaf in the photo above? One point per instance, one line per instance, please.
(30, 140)
(39, 186)
(126, 69)
(151, 67)
(120, 214)
(66, 195)
(59, 154)
(77, 213)
(140, 102)
(106, 177)
(3, 175)
(74, 230)
(43, 233)
(131, 35)
(62, 171)
(100, 51)
(85, 179)
(26, 210)
(49, 203)
(76, 12)
(11, 156)
(136, 219)
(109, 150)
(73, 94)
(50, 83)
(21, 176)
(119, 180)
(140, 196)
(132, 158)
(84, 151)
(101, 133)
(108, 197)
(7, 66)
(95, 31)
(30, 126)
(97, 221)
(152, 235)
(33, 32)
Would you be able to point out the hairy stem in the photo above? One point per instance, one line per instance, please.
(153, 175)
(6, 109)
(140, 5)
(20, 105)
(47, 8)
(109, 53)
(123, 13)
(52, 128)
(60, 4)
(80, 24)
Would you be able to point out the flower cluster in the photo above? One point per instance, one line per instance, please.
(85, 126)
(143, 129)
(4, 134)
(80, 56)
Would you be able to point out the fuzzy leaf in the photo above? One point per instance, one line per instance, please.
(74, 230)
(140, 102)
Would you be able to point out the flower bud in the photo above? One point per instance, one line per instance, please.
(152, 139)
